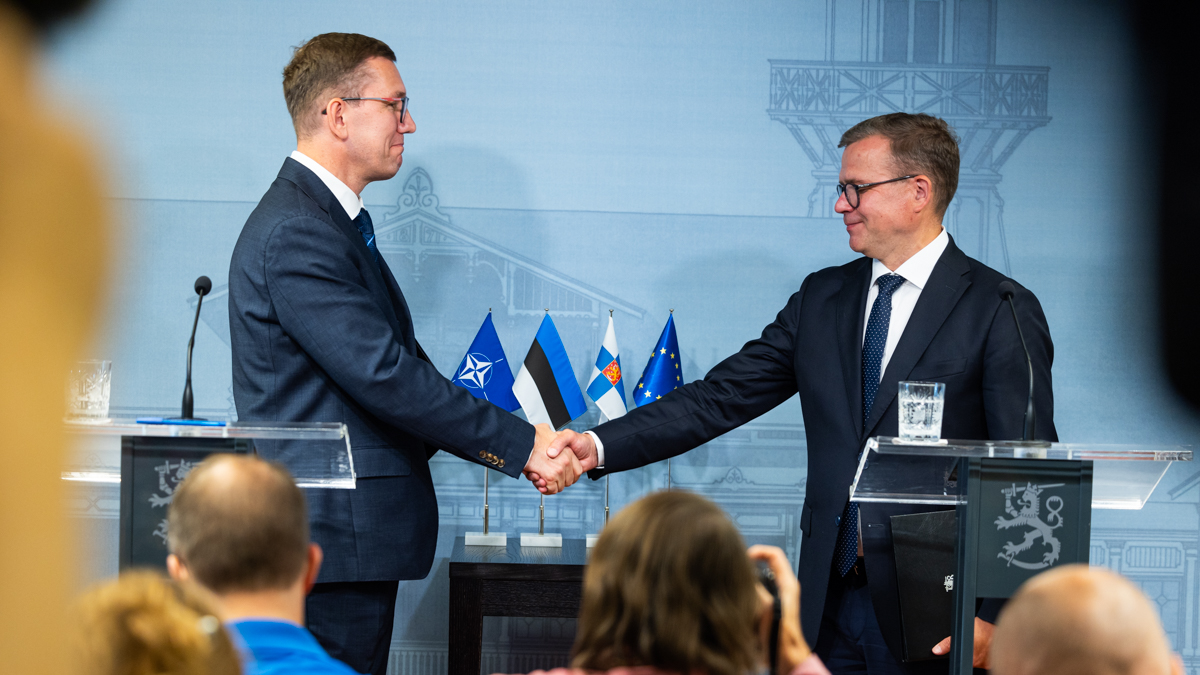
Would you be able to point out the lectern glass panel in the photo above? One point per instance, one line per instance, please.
(317, 455)
(891, 470)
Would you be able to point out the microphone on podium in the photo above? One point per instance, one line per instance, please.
(203, 286)
(1007, 290)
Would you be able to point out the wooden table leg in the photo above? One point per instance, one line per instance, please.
(466, 626)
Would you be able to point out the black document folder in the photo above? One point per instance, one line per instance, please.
(925, 565)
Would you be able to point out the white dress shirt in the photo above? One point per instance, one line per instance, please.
(345, 196)
(915, 270)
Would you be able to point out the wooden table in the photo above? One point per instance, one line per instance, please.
(508, 581)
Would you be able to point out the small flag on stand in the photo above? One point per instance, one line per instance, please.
(606, 387)
(484, 371)
(546, 385)
(662, 374)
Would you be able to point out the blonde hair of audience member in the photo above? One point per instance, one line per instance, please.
(669, 585)
(146, 624)
(1080, 620)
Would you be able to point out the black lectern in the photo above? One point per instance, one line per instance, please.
(1022, 506)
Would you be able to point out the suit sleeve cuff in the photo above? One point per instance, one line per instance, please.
(599, 449)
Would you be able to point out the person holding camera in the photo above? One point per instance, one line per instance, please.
(670, 588)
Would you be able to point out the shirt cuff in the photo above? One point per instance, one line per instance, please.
(599, 449)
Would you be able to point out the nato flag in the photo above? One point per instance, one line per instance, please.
(484, 371)
(662, 374)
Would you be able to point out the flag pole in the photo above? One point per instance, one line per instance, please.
(485, 500)
(487, 537)
(606, 498)
(542, 517)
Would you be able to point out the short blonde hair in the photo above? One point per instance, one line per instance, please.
(328, 65)
(146, 624)
(669, 585)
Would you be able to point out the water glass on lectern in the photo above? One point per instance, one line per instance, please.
(921, 405)
(88, 384)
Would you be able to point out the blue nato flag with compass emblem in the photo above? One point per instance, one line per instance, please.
(484, 371)
(663, 373)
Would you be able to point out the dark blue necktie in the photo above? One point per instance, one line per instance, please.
(846, 551)
(367, 230)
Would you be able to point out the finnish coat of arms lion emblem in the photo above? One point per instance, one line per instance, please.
(1027, 513)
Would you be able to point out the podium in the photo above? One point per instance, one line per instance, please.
(148, 461)
(1021, 506)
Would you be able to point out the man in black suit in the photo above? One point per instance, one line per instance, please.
(321, 333)
(913, 308)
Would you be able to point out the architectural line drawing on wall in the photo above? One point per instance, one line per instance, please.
(931, 56)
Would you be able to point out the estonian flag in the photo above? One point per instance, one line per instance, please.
(607, 388)
(662, 374)
(484, 371)
(546, 385)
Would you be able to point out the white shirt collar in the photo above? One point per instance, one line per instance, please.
(345, 196)
(916, 270)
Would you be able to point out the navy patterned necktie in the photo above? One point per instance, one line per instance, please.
(846, 551)
(367, 230)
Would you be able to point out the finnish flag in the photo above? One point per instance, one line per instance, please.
(606, 387)
(546, 385)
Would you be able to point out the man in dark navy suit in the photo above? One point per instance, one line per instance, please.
(915, 307)
(321, 333)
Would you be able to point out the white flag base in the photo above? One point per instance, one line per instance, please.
(492, 539)
(541, 540)
(592, 539)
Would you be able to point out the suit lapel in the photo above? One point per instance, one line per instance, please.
(311, 185)
(942, 292)
(400, 305)
(850, 302)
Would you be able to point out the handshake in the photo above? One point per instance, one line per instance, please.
(549, 468)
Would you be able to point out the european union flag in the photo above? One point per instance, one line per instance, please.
(662, 374)
(484, 371)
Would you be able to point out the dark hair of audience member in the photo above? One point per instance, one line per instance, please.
(669, 585)
(327, 66)
(920, 144)
(146, 624)
(239, 524)
(43, 14)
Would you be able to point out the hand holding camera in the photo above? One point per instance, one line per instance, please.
(781, 640)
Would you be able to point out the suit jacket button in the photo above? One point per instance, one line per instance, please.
(500, 464)
(483, 454)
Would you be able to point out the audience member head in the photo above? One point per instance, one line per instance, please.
(920, 144)
(146, 624)
(328, 65)
(1080, 620)
(669, 585)
(238, 524)
(44, 14)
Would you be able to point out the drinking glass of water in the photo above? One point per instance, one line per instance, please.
(88, 386)
(921, 405)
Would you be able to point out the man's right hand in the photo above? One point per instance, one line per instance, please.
(582, 447)
(550, 475)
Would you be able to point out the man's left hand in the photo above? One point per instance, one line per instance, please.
(983, 643)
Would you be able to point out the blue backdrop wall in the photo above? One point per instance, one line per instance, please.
(644, 157)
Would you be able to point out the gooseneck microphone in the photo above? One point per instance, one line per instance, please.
(203, 286)
(1007, 290)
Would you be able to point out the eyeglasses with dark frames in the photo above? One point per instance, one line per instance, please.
(852, 191)
(391, 102)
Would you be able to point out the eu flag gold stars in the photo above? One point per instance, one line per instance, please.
(663, 373)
